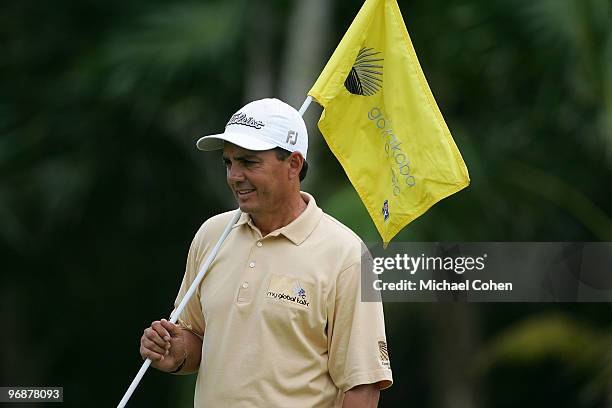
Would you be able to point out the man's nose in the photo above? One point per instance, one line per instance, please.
(235, 173)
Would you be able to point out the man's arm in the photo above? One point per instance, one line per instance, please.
(193, 348)
(362, 396)
(169, 347)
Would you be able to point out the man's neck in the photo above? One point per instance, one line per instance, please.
(290, 210)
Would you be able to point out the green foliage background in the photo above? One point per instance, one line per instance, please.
(101, 188)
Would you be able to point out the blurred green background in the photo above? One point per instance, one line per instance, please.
(102, 189)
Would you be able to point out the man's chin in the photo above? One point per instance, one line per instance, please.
(248, 203)
(246, 207)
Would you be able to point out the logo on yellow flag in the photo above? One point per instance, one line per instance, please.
(365, 77)
(383, 125)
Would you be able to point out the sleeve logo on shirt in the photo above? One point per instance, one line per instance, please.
(290, 290)
(384, 353)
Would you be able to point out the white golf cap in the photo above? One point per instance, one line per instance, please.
(262, 125)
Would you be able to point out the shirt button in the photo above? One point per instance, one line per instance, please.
(252, 264)
(245, 285)
(259, 243)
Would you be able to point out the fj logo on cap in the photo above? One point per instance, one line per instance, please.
(365, 77)
(291, 137)
(244, 120)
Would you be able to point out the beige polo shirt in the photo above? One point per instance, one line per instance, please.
(281, 316)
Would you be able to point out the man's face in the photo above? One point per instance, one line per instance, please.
(258, 180)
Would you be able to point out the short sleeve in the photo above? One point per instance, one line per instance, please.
(356, 335)
(192, 317)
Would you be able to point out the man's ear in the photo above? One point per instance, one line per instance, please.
(296, 161)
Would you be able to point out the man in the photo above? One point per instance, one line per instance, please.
(278, 320)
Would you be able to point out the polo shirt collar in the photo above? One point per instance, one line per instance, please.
(297, 230)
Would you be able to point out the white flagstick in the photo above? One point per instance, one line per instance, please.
(177, 312)
(305, 105)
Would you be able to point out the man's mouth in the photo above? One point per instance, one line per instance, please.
(245, 191)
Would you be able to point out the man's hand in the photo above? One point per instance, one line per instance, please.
(164, 344)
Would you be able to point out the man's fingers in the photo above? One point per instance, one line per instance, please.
(152, 346)
(173, 329)
(153, 336)
(153, 356)
(161, 330)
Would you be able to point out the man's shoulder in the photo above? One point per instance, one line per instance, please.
(339, 238)
(220, 220)
(335, 228)
(214, 226)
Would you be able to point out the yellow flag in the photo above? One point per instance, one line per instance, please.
(382, 123)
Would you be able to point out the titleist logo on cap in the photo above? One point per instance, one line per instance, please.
(244, 120)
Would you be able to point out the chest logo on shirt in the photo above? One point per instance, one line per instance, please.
(290, 290)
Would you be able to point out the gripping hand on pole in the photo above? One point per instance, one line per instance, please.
(164, 344)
